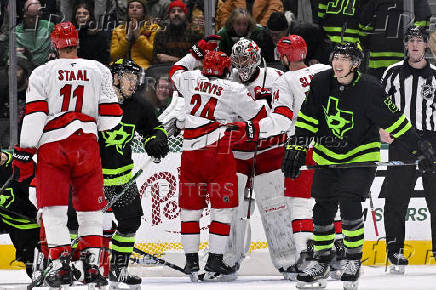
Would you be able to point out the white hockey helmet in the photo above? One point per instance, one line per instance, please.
(245, 58)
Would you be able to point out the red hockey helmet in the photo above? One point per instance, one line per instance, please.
(293, 46)
(64, 35)
(216, 63)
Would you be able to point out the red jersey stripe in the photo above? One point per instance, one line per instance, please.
(285, 111)
(66, 119)
(219, 229)
(193, 133)
(190, 228)
(110, 109)
(37, 106)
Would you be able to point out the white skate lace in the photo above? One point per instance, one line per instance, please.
(399, 256)
(314, 268)
(351, 267)
(124, 275)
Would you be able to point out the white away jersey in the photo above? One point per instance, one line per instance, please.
(209, 104)
(65, 95)
(289, 92)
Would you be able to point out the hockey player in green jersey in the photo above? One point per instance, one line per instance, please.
(342, 114)
(117, 164)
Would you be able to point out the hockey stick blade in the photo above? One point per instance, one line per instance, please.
(159, 260)
(360, 164)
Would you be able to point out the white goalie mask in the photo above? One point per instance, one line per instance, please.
(245, 58)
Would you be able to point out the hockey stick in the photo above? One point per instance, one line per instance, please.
(159, 260)
(374, 220)
(359, 164)
(6, 184)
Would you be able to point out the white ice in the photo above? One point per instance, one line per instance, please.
(374, 278)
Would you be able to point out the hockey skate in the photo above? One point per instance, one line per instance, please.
(59, 274)
(351, 274)
(192, 267)
(217, 270)
(398, 262)
(119, 276)
(314, 276)
(338, 262)
(91, 271)
(291, 272)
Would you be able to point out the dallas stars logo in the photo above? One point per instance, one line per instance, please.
(7, 198)
(119, 137)
(338, 121)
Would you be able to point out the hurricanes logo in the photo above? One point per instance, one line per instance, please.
(338, 121)
(119, 136)
(7, 198)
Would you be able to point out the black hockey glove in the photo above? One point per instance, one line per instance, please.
(156, 145)
(295, 157)
(426, 157)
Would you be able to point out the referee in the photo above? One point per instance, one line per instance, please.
(411, 84)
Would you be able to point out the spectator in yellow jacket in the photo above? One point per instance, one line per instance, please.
(134, 39)
(262, 10)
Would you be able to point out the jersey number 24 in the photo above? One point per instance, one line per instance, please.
(208, 110)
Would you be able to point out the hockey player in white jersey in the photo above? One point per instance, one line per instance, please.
(268, 178)
(68, 100)
(289, 92)
(208, 166)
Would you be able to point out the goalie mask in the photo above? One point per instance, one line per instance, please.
(245, 58)
(128, 75)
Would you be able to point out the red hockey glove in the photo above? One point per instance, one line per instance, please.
(23, 166)
(263, 94)
(201, 48)
(243, 131)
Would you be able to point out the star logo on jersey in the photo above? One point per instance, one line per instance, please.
(339, 121)
(119, 136)
(427, 92)
(7, 198)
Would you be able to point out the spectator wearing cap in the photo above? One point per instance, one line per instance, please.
(33, 33)
(278, 27)
(171, 44)
(134, 39)
(241, 24)
(262, 10)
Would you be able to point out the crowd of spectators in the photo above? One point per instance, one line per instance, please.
(160, 32)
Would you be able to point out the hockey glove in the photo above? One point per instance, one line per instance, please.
(238, 132)
(263, 94)
(156, 145)
(295, 157)
(201, 48)
(426, 157)
(22, 164)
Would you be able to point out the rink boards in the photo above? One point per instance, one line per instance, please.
(159, 232)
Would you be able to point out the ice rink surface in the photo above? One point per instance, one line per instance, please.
(374, 278)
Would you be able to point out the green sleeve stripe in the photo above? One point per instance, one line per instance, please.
(108, 171)
(396, 125)
(321, 15)
(350, 153)
(319, 238)
(354, 244)
(162, 129)
(24, 221)
(338, 39)
(404, 130)
(422, 23)
(120, 180)
(366, 28)
(21, 227)
(381, 63)
(306, 126)
(127, 250)
(339, 29)
(386, 53)
(368, 157)
(354, 233)
(324, 247)
(307, 118)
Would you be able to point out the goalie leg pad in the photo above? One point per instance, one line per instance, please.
(276, 218)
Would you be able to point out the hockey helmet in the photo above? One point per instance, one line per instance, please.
(350, 49)
(293, 47)
(125, 65)
(64, 35)
(216, 63)
(245, 58)
(416, 31)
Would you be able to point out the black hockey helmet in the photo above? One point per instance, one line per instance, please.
(125, 65)
(350, 49)
(416, 31)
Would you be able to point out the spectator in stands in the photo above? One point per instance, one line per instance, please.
(161, 96)
(241, 24)
(224, 9)
(171, 44)
(158, 8)
(262, 10)
(134, 40)
(93, 43)
(278, 27)
(196, 8)
(34, 33)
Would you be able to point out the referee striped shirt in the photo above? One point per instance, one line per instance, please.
(413, 91)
